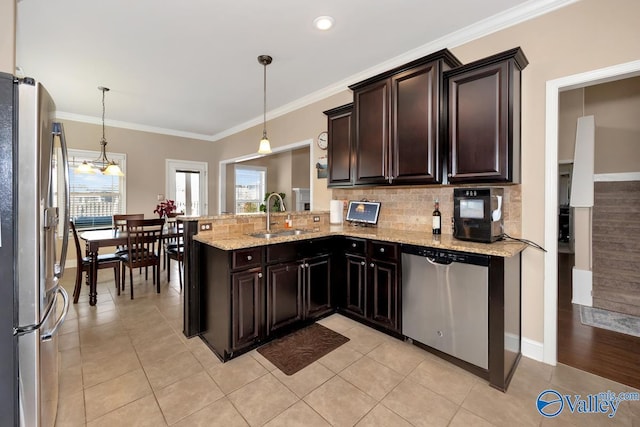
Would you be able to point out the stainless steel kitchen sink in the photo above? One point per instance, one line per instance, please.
(279, 233)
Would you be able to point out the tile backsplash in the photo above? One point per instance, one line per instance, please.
(410, 208)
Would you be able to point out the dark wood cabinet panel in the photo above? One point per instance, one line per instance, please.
(384, 294)
(340, 149)
(397, 123)
(484, 119)
(317, 286)
(415, 130)
(371, 109)
(246, 308)
(356, 277)
(284, 296)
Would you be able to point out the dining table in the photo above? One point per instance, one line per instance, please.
(96, 239)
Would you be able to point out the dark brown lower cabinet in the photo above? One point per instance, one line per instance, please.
(246, 312)
(384, 294)
(317, 286)
(372, 284)
(355, 280)
(298, 290)
(284, 296)
(232, 299)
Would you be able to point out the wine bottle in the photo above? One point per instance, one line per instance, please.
(437, 218)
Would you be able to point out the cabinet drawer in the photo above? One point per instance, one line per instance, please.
(355, 246)
(282, 252)
(384, 251)
(246, 258)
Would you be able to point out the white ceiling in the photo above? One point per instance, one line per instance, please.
(190, 67)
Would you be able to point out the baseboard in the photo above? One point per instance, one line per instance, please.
(582, 285)
(533, 349)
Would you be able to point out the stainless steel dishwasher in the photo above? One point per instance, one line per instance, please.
(445, 301)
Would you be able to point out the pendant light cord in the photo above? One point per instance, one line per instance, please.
(264, 109)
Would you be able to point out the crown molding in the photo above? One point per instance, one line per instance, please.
(133, 126)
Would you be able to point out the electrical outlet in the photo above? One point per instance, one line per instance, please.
(316, 219)
(205, 226)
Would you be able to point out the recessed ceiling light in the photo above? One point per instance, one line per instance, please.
(323, 22)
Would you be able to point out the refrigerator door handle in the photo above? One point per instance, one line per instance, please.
(65, 297)
(58, 130)
(22, 330)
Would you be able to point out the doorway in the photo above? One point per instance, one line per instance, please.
(187, 186)
(555, 271)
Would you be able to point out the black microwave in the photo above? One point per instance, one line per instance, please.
(477, 214)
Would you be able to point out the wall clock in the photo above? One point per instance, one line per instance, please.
(323, 140)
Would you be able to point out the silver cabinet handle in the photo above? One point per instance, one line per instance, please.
(362, 263)
(259, 275)
(353, 245)
(306, 265)
(249, 257)
(382, 250)
(372, 265)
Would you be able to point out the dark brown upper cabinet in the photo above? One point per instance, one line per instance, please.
(396, 118)
(340, 147)
(484, 119)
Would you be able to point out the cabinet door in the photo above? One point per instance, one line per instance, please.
(246, 308)
(356, 278)
(479, 126)
(415, 125)
(383, 298)
(317, 273)
(371, 109)
(284, 295)
(340, 150)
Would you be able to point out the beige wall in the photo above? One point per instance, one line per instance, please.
(146, 154)
(8, 36)
(300, 168)
(616, 108)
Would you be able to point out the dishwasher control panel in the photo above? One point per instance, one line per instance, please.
(445, 256)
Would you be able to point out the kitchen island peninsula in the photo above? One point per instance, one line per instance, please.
(244, 289)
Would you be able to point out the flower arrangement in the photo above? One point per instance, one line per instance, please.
(165, 208)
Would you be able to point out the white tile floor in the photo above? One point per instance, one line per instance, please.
(127, 363)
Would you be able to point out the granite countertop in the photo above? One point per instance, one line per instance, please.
(445, 241)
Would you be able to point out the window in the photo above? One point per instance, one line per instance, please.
(250, 184)
(95, 198)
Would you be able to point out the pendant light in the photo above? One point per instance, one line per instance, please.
(102, 163)
(265, 146)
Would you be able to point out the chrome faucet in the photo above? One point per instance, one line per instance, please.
(268, 203)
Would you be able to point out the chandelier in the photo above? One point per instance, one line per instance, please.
(265, 146)
(102, 164)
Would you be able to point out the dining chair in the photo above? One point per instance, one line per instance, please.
(174, 250)
(84, 265)
(169, 243)
(120, 224)
(144, 237)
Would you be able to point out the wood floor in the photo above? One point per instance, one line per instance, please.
(599, 351)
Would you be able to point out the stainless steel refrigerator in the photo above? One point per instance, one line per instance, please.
(34, 221)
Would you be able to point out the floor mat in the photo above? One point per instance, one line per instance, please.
(301, 348)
